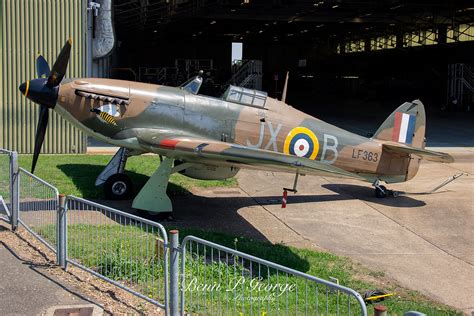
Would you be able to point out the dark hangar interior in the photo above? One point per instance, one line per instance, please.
(364, 57)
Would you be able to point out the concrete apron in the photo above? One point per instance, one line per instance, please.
(425, 242)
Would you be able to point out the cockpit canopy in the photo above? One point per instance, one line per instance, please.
(245, 96)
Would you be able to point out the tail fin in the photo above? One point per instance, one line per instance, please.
(405, 125)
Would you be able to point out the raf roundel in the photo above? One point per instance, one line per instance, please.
(301, 142)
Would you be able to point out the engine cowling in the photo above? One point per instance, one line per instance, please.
(208, 172)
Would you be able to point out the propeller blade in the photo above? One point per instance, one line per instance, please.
(40, 132)
(42, 67)
(59, 68)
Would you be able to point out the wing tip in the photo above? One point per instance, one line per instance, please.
(448, 158)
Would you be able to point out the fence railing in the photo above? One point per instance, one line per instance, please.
(126, 250)
(217, 280)
(38, 206)
(5, 183)
(134, 254)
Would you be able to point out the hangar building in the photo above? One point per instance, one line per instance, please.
(359, 58)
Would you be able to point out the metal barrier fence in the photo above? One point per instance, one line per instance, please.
(38, 208)
(6, 182)
(217, 280)
(126, 250)
(133, 253)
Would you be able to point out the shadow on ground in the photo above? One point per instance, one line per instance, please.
(364, 193)
(223, 213)
(204, 216)
(83, 176)
(200, 216)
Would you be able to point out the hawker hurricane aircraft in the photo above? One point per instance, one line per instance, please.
(213, 138)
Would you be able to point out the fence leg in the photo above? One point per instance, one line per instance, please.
(174, 271)
(15, 190)
(61, 226)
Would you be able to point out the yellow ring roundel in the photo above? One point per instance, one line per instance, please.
(301, 142)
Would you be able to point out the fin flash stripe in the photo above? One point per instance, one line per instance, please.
(403, 128)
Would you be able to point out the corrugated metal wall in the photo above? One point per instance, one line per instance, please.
(101, 68)
(26, 28)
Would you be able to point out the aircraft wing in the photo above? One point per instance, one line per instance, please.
(207, 151)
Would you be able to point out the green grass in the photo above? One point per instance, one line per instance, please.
(123, 254)
(76, 174)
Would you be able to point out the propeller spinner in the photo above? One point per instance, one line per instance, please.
(44, 91)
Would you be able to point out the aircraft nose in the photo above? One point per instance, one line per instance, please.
(37, 91)
(23, 88)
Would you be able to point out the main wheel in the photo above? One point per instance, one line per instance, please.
(381, 192)
(168, 216)
(118, 187)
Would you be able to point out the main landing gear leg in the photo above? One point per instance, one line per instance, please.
(117, 185)
(152, 197)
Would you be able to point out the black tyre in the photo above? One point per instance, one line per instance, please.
(381, 192)
(118, 187)
(163, 216)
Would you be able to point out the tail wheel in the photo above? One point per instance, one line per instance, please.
(381, 192)
(118, 187)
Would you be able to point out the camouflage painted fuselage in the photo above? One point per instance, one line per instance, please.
(144, 110)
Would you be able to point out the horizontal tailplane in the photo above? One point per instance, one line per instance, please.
(421, 152)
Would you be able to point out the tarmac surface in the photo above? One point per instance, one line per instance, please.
(25, 288)
(425, 242)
